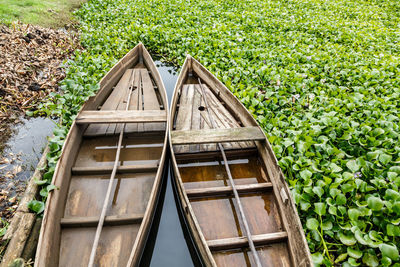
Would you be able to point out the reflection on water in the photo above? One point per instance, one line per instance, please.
(19, 159)
(168, 241)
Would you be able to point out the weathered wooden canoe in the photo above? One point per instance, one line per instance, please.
(215, 142)
(110, 171)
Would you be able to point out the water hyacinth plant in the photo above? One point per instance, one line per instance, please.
(321, 77)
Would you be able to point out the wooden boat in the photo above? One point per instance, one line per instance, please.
(110, 170)
(233, 193)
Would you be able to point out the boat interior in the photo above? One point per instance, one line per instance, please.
(207, 187)
(139, 159)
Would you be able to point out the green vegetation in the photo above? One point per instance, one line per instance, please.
(50, 13)
(321, 77)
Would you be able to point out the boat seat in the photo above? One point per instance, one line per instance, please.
(220, 135)
(240, 242)
(121, 116)
(227, 190)
(93, 221)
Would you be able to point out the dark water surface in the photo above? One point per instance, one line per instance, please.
(169, 244)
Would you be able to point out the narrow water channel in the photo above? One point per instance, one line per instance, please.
(169, 243)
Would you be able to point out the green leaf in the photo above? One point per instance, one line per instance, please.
(317, 258)
(389, 251)
(335, 168)
(353, 262)
(370, 260)
(348, 239)
(375, 203)
(36, 206)
(385, 158)
(353, 214)
(352, 165)
(305, 174)
(312, 224)
(320, 208)
(354, 253)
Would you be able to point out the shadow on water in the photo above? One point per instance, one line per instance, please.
(169, 242)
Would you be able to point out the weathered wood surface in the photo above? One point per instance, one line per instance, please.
(116, 116)
(206, 194)
(192, 115)
(120, 169)
(227, 190)
(93, 221)
(219, 135)
(85, 165)
(239, 242)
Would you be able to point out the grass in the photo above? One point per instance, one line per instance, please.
(46, 13)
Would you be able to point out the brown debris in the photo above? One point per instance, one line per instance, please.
(30, 65)
(30, 68)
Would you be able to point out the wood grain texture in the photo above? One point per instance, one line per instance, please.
(203, 187)
(227, 190)
(117, 116)
(239, 242)
(67, 233)
(220, 135)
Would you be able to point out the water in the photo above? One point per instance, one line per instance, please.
(169, 243)
(19, 159)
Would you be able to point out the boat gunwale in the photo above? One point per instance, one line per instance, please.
(266, 155)
(45, 254)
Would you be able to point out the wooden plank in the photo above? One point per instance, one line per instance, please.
(183, 120)
(150, 101)
(121, 103)
(108, 169)
(111, 103)
(134, 103)
(217, 135)
(227, 190)
(240, 242)
(109, 220)
(195, 121)
(121, 116)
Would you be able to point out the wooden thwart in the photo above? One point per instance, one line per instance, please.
(240, 242)
(227, 190)
(109, 220)
(120, 169)
(121, 116)
(217, 135)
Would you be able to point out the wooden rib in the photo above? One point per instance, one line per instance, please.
(120, 169)
(217, 135)
(109, 220)
(118, 116)
(240, 242)
(235, 193)
(227, 190)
